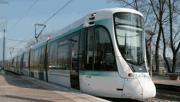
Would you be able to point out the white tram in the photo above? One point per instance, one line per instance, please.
(0, 64)
(101, 54)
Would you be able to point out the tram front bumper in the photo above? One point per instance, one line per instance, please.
(132, 88)
(148, 87)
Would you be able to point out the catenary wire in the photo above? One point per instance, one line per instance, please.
(45, 22)
(22, 16)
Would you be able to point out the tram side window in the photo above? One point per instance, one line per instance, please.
(10, 63)
(36, 58)
(5, 63)
(75, 51)
(82, 50)
(43, 57)
(15, 62)
(18, 61)
(21, 63)
(32, 59)
(63, 55)
(25, 64)
(52, 58)
(103, 51)
(39, 58)
(90, 48)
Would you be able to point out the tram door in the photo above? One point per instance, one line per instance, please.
(74, 71)
(32, 64)
(41, 63)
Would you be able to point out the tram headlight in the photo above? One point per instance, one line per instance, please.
(127, 69)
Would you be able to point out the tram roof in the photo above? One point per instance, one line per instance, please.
(99, 15)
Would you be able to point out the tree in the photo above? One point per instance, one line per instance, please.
(174, 26)
(167, 12)
(159, 10)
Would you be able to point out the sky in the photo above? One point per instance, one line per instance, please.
(40, 12)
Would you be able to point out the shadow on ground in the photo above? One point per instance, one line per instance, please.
(120, 99)
(23, 98)
(15, 80)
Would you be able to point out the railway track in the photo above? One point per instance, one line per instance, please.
(168, 92)
(168, 87)
(164, 93)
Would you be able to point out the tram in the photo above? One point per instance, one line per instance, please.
(6, 65)
(0, 64)
(102, 54)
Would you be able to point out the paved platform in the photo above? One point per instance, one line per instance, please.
(14, 88)
(165, 81)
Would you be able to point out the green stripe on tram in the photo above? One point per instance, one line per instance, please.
(97, 73)
(104, 22)
(67, 33)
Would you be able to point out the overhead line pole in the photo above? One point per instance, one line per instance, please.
(36, 36)
(3, 49)
(46, 21)
(150, 33)
(22, 16)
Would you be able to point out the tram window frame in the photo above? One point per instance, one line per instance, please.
(25, 60)
(52, 61)
(39, 58)
(43, 53)
(85, 32)
(87, 50)
(20, 61)
(64, 41)
(12, 62)
(31, 59)
(74, 34)
(114, 67)
(15, 62)
(82, 49)
(36, 53)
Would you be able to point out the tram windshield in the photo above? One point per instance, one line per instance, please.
(130, 37)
